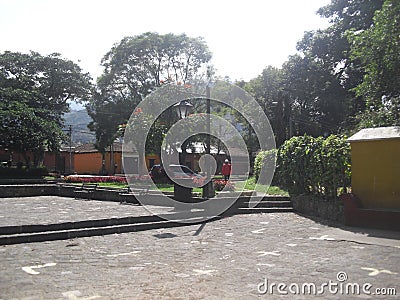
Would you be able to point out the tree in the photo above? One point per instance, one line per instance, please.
(34, 90)
(378, 50)
(136, 66)
(267, 90)
(314, 99)
(24, 128)
(331, 48)
(55, 79)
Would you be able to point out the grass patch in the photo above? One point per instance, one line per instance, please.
(163, 187)
(113, 184)
(250, 184)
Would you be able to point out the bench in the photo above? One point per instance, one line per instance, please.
(85, 191)
(128, 194)
(128, 191)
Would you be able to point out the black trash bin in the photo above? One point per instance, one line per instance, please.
(182, 193)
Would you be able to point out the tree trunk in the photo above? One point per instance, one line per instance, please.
(142, 164)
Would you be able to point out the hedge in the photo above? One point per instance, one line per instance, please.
(305, 164)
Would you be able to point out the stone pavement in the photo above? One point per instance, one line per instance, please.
(232, 258)
(54, 209)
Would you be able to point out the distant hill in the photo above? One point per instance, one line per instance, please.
(79, 119)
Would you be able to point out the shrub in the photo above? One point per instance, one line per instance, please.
(221, 184)
(305, 164)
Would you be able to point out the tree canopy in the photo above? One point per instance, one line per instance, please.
(377, 49)
(136, 66)
(343, 78)
(34, 90)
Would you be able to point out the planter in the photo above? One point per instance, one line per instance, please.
(182, 193)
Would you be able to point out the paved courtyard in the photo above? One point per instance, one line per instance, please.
(236, 257)
(51, 209)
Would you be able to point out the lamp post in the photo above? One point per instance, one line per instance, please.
(208, 190)
(70, 149)
(183, 108)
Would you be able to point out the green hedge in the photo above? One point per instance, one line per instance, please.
(305, 164)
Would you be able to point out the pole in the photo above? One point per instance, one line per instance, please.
(70, 149)
(208, 191)
(112, 169)
(208, 129)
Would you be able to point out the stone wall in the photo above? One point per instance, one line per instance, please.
(28, 190)
(312, 206)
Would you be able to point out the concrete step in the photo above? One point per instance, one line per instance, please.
(52, 235)
(35, 228)
(268, 203)
(276, 198)
(85, 232)
(245, 210)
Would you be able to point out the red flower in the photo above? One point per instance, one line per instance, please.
(221, 184)
(137, 111)
(94, 179)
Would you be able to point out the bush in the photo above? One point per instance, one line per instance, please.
(305, 164)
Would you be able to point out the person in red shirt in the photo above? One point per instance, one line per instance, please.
(226, 169)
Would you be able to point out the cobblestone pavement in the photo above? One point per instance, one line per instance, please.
(52, 209)
(231, 258)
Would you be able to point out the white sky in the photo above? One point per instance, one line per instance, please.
(244, 36)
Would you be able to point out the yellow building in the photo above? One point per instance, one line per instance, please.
(375, 157)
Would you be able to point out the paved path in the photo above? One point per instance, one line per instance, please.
(231, 258)
(52, 209)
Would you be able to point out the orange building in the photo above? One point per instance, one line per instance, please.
(88, 160)
(62, 161)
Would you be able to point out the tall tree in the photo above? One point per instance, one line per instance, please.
(315, 101)
(331, 48)
(34, 91)
(378, 50)
(136, 66)
(267, 90)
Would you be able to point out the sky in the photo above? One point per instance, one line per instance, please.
(243, 36)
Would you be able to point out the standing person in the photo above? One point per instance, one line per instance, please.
(226, 169)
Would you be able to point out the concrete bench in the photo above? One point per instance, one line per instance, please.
(128, 191)
(85, 191)
(128, 195)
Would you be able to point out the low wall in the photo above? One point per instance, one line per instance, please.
(102, 194)
(356, 215)
(312, 206)
(63, 190)
(150, 198)
(27, 190)
(19, 181)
